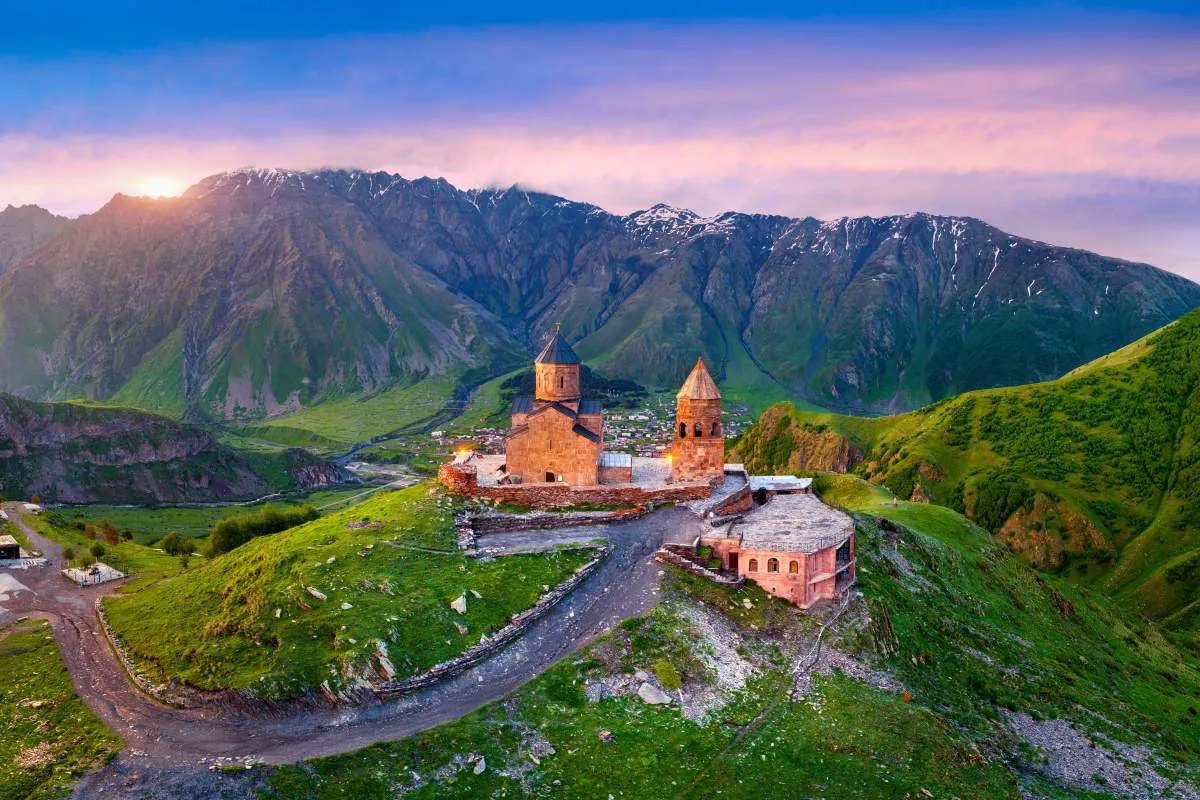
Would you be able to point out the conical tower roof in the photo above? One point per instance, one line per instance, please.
(557, 351)
(699, 385)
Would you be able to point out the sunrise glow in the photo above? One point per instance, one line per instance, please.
(159, 186)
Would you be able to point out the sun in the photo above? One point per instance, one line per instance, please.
(161, 187)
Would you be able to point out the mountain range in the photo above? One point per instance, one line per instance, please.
(261, 292)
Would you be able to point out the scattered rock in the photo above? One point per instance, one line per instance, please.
(476, 595)
(605, 736)
(480, 766)
(459, 604)
(462, 629)
(278, 613)
(317, 593)
(346, 606)
(653, 695)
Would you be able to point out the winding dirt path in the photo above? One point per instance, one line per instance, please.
(624, 586)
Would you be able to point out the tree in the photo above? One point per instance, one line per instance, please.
(184, 559)
(68, 554)
(127, 534)
(175, 545)
(98, 550)
(36, 500)
(86, 560)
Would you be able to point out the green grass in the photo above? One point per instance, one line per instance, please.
(143, 564)
(337, 424)
(215, 625)
(1095, 475)
(149, 524)
(1052, 650)
(50, 737)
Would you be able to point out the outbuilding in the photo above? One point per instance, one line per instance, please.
(9, 548)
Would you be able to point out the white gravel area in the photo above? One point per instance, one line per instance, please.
(1095, 763)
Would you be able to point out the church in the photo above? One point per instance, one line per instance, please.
(554, 451)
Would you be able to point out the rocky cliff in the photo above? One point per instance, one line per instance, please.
(260, 292)
(73, 453)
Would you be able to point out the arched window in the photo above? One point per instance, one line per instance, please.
(562, 381)
(699, 429)
(752, 566)
(772, 565)
(794, 568)
(682, 430)
(716, 429)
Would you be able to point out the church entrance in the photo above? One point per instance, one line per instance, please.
(550, 477)
(733, 562)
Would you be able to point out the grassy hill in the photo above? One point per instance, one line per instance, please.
(939, 683)
(245, 620)
(1096, 474)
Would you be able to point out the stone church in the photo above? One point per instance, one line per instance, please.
(557, 435)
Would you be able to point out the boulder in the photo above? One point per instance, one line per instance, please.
(653, 695)
(459, 604)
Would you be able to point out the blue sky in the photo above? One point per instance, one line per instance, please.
(1075, 125)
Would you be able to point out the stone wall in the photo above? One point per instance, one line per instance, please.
(667, 555)
(556, 381)
(461, 479)
(698, 457)
(616, 474)
(490, 645)
(507, 523)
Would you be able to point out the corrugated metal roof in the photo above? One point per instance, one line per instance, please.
(699, 385)
(557, 351)
(608, 459)
(779, 483)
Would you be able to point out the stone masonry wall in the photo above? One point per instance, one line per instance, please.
(461, 480)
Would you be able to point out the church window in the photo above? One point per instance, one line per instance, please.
(716, 429)
(699, 429)
(752, 566)
(772, 565)
(562, 381)
(794, 568)
(549, 444)
(682, 430)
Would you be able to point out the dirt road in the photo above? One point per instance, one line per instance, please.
(624, 586)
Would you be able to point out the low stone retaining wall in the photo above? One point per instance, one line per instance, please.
(493, 644)
(669, 556)
(468, 528)
(360, 691)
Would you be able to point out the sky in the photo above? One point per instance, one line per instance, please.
(1077, 125)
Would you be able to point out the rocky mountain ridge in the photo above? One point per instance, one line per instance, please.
(73, 453)
(260, 292)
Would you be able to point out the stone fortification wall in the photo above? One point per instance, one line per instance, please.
(674, 555)
(461, 479)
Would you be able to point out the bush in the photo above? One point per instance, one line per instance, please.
(234, 531)
(667, 675)
(175, 545)
(98, 550)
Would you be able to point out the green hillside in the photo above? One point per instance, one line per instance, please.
(1096, 474)
(936, 684)
(245, 620)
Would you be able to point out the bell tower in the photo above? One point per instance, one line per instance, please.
(556, 372)
(698, 450)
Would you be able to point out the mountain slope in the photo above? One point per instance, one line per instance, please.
(73, 453)
(24, 229)
(1096, 473)
(260, 292)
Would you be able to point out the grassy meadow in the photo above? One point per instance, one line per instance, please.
(246, 620)
(50, 737)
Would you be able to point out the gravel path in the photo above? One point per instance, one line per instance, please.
(624, 586)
